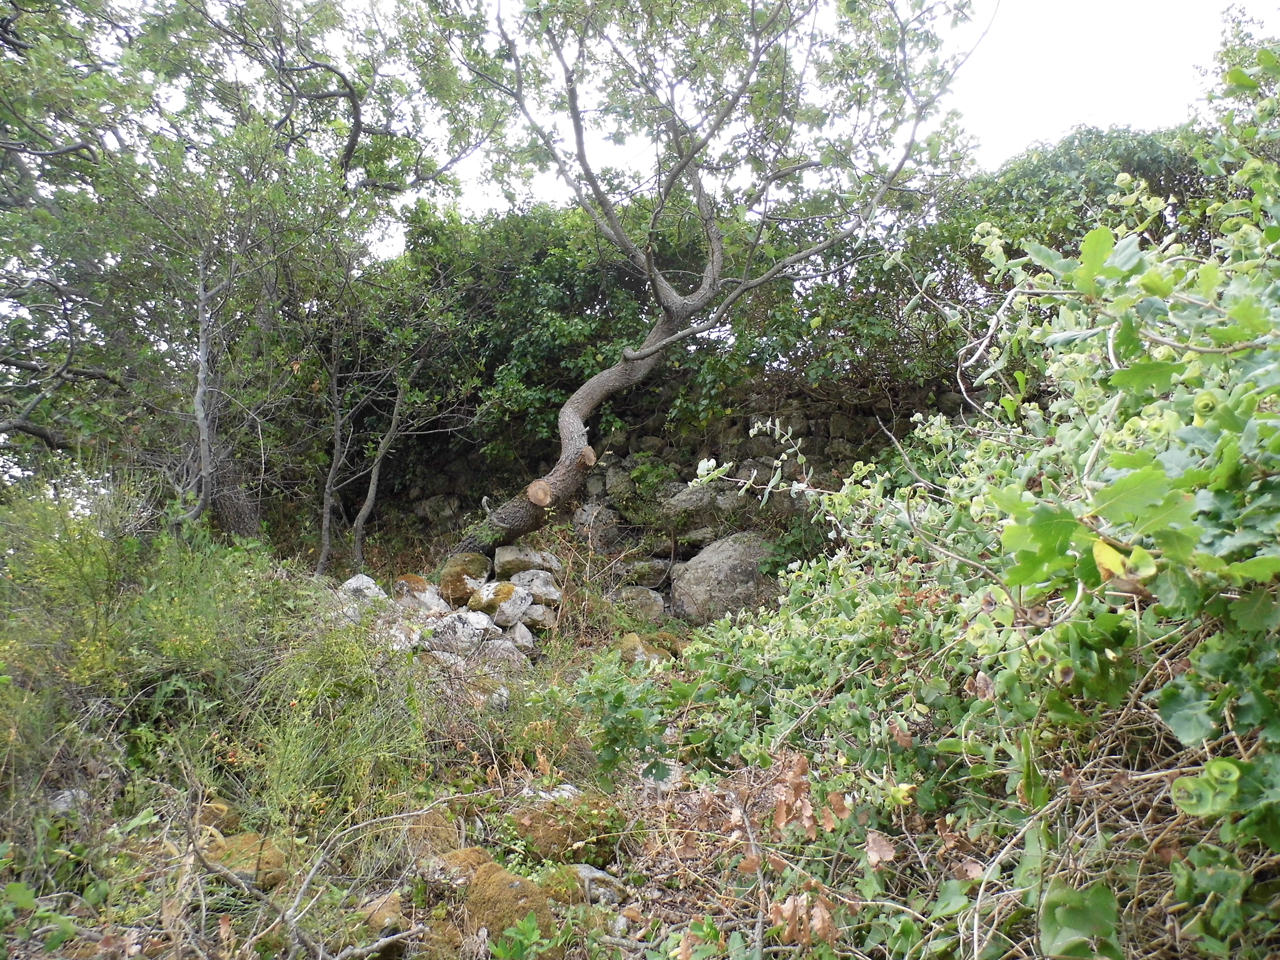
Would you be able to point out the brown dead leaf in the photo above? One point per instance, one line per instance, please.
(828, 819)
(984, 687)
(686, 947)
(820, 922)
(839, 805)
(880, 849)
(787, 915)
(969, 870)
(1169, 851)
(633, 914)
(776, 863)
(902, 737)
(807, 819)
(749, 864)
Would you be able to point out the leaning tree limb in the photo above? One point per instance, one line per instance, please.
(528, 511)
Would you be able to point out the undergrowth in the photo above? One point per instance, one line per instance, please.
(1028, 707)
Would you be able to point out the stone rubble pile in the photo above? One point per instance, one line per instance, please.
(467, 622)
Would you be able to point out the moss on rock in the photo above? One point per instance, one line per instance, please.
(500, 899)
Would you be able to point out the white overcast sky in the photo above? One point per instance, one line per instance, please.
(1047, 66)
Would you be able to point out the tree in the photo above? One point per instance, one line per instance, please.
(779, 132)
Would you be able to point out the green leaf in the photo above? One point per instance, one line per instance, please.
(1127, 254)
(1094, 251)
(20, 895)
(1156, 283)
(1261, 569)
(1256, 610)
(951, 900)
(1236, 77)
(1143, 376)
(1176, 509)
(1187, 711)
(1128, 497)
(1078, 923)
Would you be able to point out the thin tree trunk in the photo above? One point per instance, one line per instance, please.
(384, 447)
(199, 404)
(331, 479)
(520, 515)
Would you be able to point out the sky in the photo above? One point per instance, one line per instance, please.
(1047, 66)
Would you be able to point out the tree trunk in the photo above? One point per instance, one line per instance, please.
(520, 515)
(375, 471)
(340, 443)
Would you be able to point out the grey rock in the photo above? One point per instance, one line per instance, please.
(648, 444)
(646, 573)
(502, 652)
(839, 426)
(618, 483)
(598, 525)
(691, 507)
(460, 633)
(508, 561)
(641, 602)
(598, 886)
(362, 588)
(539, 617)
(724, 578)
(521, 636)
(839, 449)
(541, 585)
(426, 601)
(68, 801)
(700, 537)
(440, 511)
(950, 403)
(595, 486)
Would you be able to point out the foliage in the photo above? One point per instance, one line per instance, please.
(1031, 605)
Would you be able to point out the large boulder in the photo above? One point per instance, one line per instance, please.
(724, 578)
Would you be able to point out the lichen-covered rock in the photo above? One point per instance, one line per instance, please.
(460, 633)
(541, 584)
(584, 828)
(539, 617)
(432, 834)
(508, 561)
(383, 915)
(724, 578)
(499, 899)
(461, 575)
(632, 649)
(502, 600)
(640, 602)
(253, 858)
(453, 870)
